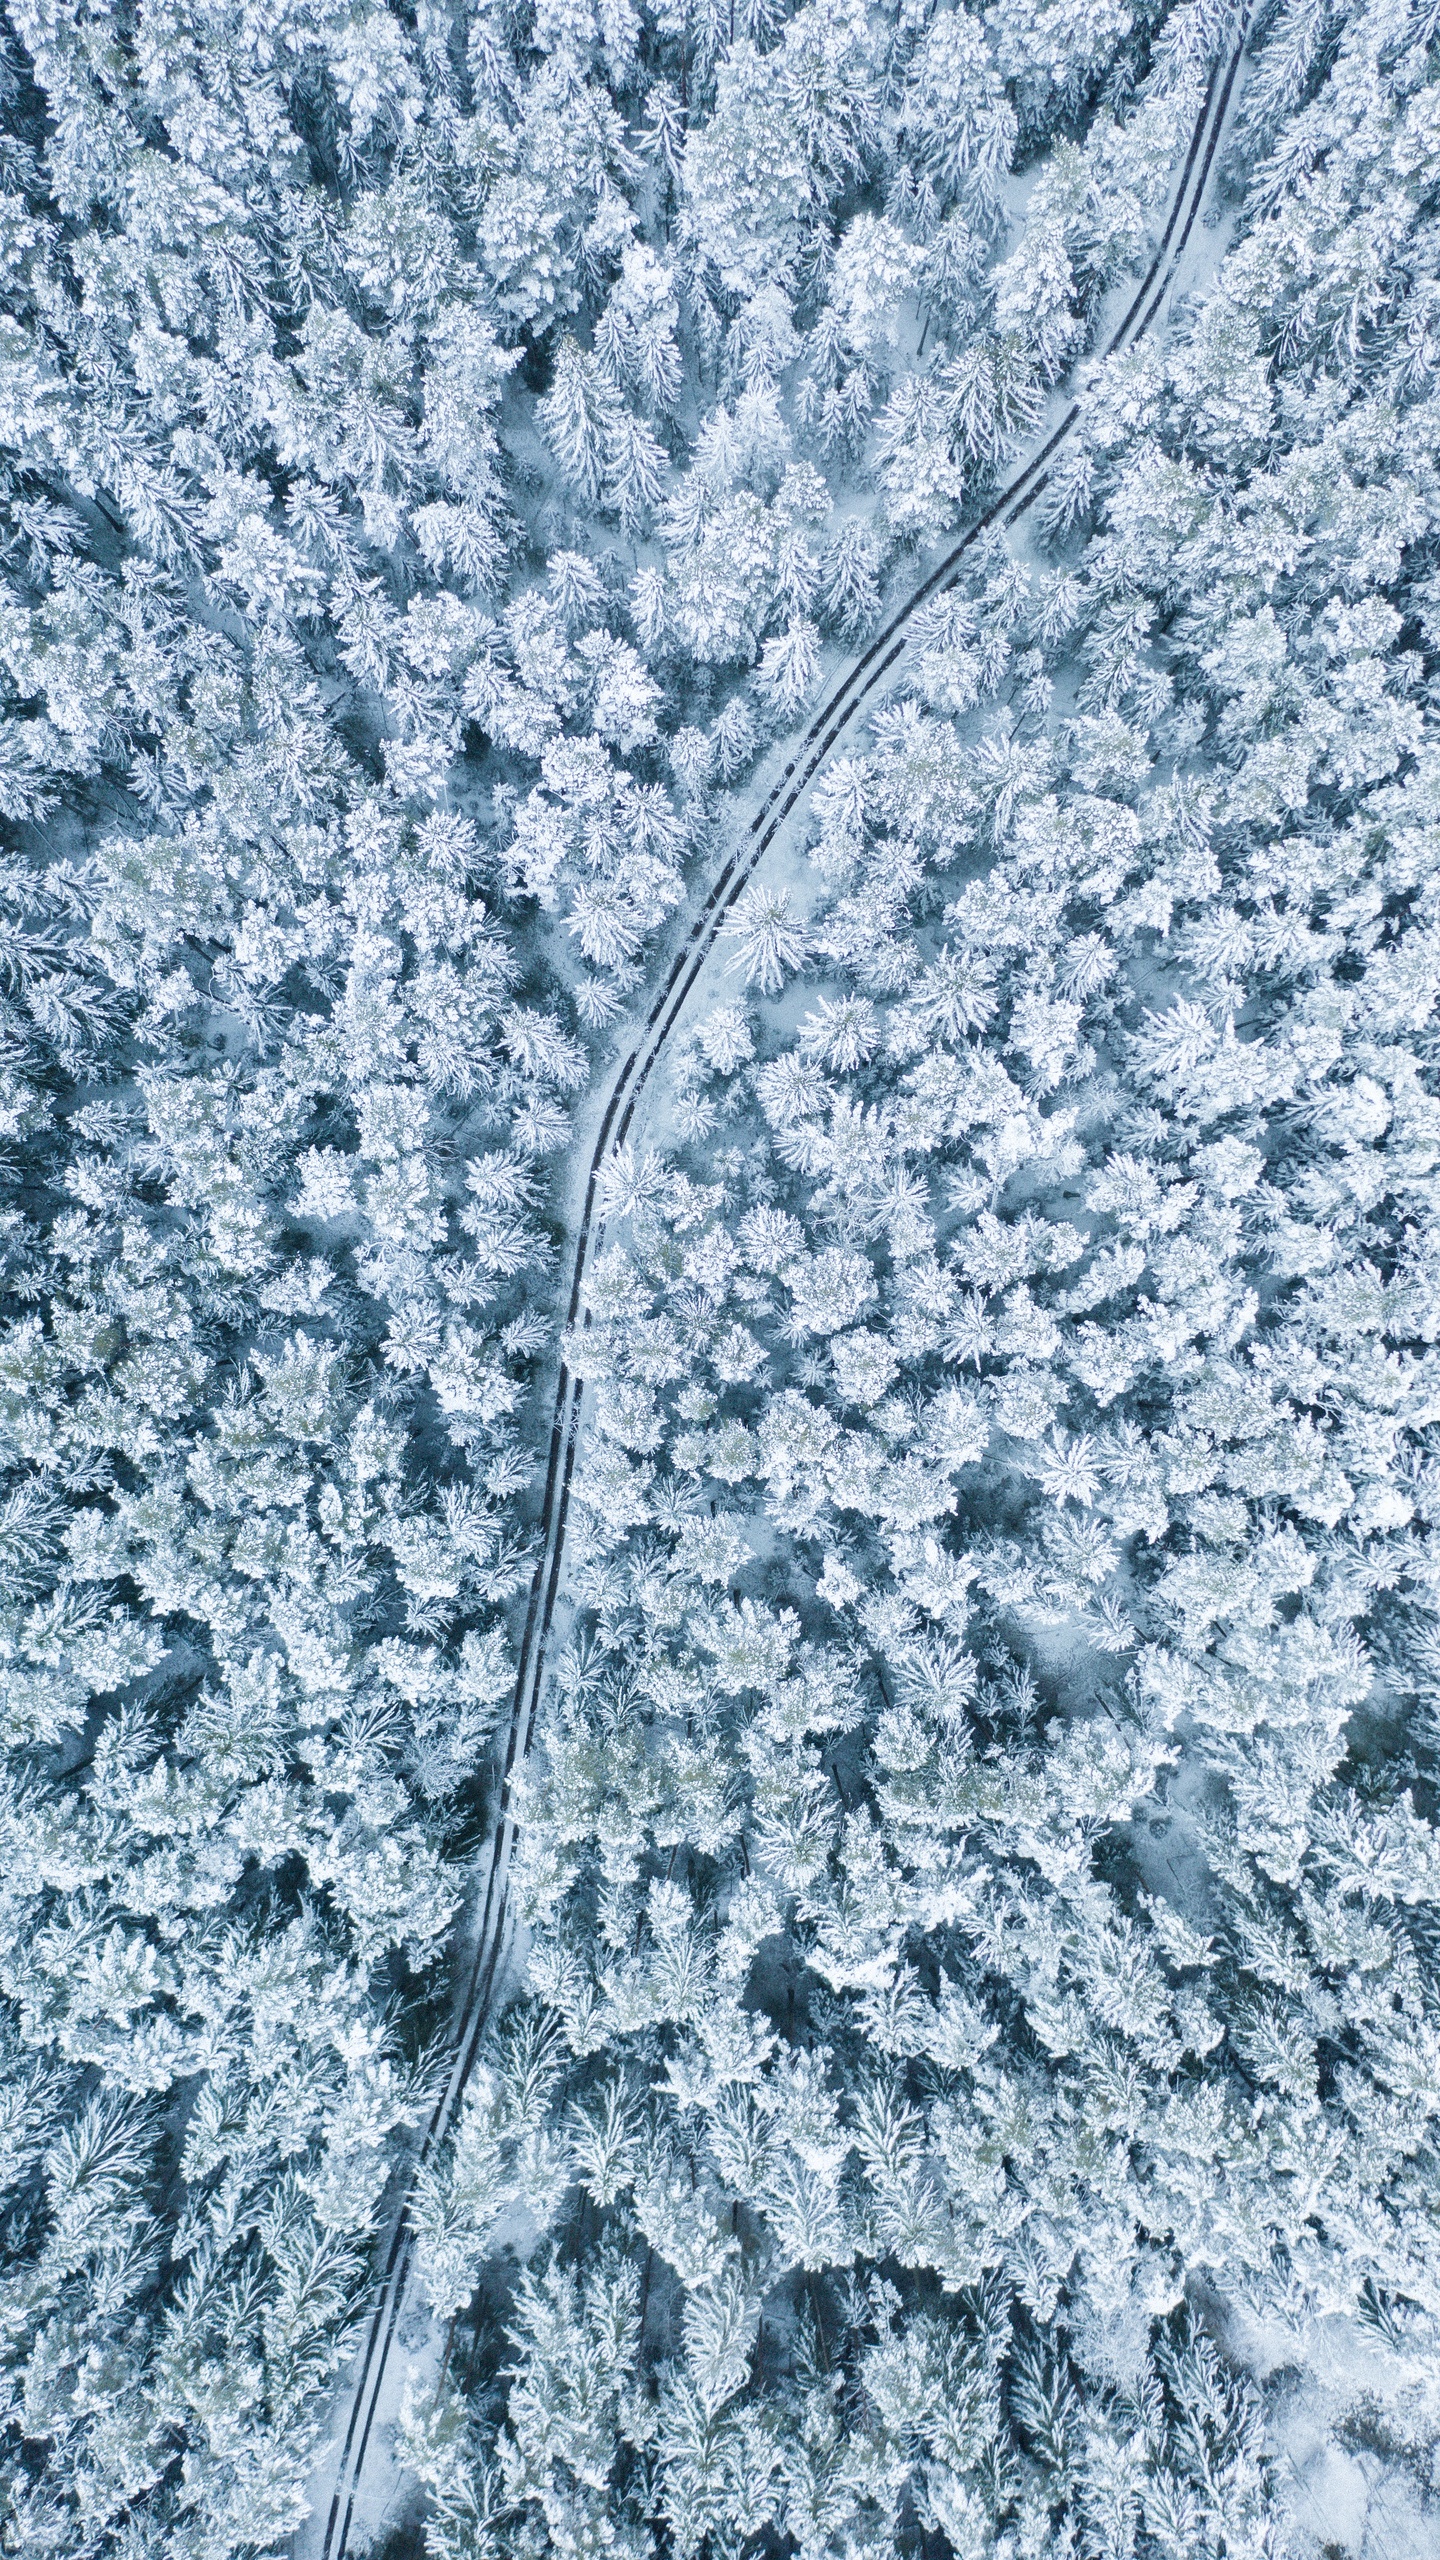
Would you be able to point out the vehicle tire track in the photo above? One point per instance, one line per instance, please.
(845, 700)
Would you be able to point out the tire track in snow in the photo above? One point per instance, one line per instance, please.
(846, 699)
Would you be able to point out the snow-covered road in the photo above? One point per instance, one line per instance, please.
(358, 2483)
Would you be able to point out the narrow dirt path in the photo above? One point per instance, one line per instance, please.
(371, 2400)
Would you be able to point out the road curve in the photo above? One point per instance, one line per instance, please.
(830, 722)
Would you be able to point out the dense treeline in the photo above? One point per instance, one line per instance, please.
(980, 2008)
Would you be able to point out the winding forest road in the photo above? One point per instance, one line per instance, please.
(366, 2409)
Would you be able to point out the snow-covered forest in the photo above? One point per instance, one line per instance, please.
(954, 2066)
